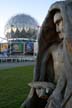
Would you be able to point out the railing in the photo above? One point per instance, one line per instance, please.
(17, 59)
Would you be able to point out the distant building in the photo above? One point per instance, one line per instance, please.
(21, 26)
(22, 33)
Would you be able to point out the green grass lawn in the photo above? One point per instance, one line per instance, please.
(14, 86)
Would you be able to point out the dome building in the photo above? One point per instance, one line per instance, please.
(21, 32)
(21, 26)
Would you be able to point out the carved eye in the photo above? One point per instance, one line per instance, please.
(39, 88)
(47, 90)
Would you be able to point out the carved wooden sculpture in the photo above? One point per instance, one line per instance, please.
(54, 59)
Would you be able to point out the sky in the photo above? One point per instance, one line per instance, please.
(35, 8)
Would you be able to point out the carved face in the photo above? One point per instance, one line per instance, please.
(59, 24)
(42, 92)
(39, 92)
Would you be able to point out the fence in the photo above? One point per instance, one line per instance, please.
(17, 59)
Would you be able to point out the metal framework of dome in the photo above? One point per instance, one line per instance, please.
(21, 26)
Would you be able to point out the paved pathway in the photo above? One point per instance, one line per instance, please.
(12, 65)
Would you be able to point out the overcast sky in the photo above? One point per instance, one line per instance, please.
(35, 8)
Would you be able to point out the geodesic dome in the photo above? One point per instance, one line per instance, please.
(21, 26)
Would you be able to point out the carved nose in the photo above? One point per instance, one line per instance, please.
(57, 28)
